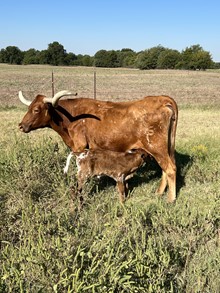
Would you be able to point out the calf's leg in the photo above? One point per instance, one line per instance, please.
(81, 179)
(122, 189)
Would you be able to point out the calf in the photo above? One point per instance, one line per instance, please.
(118, 165)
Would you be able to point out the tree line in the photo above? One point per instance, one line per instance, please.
(159, 57)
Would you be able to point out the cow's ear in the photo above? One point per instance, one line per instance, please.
(48, 106)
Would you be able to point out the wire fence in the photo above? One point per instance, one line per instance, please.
(109, 84)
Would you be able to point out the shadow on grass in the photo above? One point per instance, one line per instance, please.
(152, 171)
(183, 163)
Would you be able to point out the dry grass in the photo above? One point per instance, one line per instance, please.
(186, 87)
(197, 123)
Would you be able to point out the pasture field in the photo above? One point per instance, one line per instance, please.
(48, 244)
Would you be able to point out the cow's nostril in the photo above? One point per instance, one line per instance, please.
(21, 127)
(24, 128)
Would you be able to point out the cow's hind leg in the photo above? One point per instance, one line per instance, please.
(171, 178)
(163, 184)
(168, 176)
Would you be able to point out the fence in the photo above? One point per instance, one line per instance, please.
(108, 84)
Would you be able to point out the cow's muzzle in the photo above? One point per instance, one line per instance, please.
(24, 128)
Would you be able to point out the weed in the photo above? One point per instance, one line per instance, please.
(200, 152)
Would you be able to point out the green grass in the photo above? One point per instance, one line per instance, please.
(49, 244)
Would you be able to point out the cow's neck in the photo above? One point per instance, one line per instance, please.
(59, 122)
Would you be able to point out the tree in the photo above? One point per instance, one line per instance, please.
(44, 57)
(202, 60)
(2, 56)
(70, 59)
(56, 54)
(100, 58)
(79, 59)
(195, 57)
(148, 59)
(168, 59)
(31, 57)
(87, 60)
(105, 58)
(112, 59)
(216, 65)
(12, 55)
(126, 58)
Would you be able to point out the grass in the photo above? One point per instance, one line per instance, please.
(49, 245)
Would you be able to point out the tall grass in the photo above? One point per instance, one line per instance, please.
(49, 244)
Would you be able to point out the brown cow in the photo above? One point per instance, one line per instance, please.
(149, 124)
(119, 166)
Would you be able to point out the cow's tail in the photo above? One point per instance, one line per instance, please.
(172, 128)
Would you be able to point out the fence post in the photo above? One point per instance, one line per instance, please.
(94, 85)
(52, 84)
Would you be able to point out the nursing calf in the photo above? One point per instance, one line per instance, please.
(118, 165)
(149, 123)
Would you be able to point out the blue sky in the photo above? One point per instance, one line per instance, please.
(86, 26)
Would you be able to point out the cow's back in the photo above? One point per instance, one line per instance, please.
(129, 125)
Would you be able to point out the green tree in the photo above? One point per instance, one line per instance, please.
(105, 58)
(112, 59)
(195, 57)
(31, 57)
(79, 59)
(70, 59)
(12, 55)
(216, 65)
(56, 54)
(87, 60)
(100, 58)
(202, 60)
(44, 57)
(168, 59)
(148, 59)
(126, 57)
(2, 56)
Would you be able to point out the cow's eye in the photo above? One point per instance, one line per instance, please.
(36, 110)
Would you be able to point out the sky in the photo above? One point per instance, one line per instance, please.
(87, 26)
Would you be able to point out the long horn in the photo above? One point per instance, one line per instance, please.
(23, 100)
(56, 98)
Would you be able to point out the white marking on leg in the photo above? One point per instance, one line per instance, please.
(79, 158)
(65, 170)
